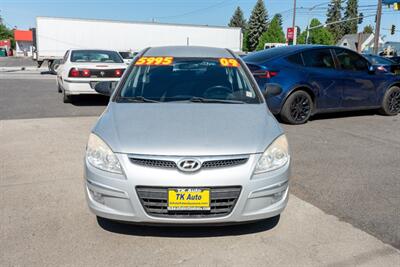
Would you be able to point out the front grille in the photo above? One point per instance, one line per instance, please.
(154, 163)
(155, 202)
(169, 164)
(223, 163)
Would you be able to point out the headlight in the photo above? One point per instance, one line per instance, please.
(276, 156)
(101, 156)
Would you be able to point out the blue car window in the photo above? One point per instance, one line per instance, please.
(319, 58)
(295, 59)
(349, 60)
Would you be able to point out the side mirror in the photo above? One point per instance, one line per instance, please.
(105, 88)
(371, 69)
(271, 89)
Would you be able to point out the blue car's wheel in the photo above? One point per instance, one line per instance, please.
(297, 108)
(391, 102)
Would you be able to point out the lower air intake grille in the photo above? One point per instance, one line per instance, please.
(155, 202)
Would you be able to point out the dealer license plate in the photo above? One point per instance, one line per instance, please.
(93, 84)
(188, 199)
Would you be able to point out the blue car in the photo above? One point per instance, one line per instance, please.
(383, 64)
(317, 79)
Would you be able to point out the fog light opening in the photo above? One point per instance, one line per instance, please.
(98, 197)
(277, 196)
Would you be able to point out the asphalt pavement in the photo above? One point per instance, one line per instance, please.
(34, 95)
(17, 62)
(345, 170)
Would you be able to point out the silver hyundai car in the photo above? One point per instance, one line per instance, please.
(187, 138)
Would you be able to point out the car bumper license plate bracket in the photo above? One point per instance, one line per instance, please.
(188, 199)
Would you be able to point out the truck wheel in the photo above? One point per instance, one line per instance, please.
(54, 66)
(49, 65)
(67, 98)
(297, 108)
(391, 102)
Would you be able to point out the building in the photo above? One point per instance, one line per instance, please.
(360, 42)
(23, 43)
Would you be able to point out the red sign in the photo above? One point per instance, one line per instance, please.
(290, 34)
(5, 43)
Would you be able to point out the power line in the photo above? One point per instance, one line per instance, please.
(194, 11)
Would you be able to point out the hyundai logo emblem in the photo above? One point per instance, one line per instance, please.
(189, 165)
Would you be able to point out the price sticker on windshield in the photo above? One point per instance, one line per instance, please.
(154, 61)
(229, 62)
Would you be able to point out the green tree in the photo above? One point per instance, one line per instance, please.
(5, 33)
(335, 14)
(245, 46)
(257, 24)
(279, 18)
(351, 12)
(238, 20)
(368, 29)
(274, 34)
(318, 35)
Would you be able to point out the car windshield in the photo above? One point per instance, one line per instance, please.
(126, 55)
(95, 56)
(189, 80)
(380, 60)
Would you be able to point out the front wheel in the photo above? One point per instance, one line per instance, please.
(297, 108)
(391, 102)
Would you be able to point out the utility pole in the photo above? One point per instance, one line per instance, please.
(377, 26)
(309, 18)
(294, 24)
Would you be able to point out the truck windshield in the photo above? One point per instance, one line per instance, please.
(126, 55)
(95, 56)
(183, 80)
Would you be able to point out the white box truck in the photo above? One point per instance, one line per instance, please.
(53, 36)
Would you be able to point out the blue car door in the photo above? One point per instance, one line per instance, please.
(323, 77)
(359, 85)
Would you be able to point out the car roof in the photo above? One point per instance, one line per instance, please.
(94, 49)
(281, 51)
(189, 51)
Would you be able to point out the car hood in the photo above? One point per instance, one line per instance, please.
(187, 129)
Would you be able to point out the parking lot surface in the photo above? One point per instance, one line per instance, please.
(34, 95)
(17, 62)
(344, 208)
(45, 220)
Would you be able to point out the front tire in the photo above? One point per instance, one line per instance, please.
(391, 102)
(297, 108)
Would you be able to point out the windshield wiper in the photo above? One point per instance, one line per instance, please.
(211, 100)
(136, 99)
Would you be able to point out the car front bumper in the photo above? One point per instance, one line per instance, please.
(115, 196)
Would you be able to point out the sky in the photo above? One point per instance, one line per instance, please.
(22, 13)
